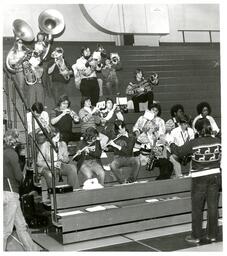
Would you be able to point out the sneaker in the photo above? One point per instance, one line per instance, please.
(211, 240)
(191, 239)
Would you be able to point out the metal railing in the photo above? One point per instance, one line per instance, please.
(199, 31)
(34, 145)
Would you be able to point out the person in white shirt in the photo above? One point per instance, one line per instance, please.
(180, 135)
(85, 75)
(43, 117)
(204, 110)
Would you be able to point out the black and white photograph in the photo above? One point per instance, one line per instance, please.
(112, 126)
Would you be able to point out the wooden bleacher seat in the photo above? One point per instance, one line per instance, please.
(119, 209)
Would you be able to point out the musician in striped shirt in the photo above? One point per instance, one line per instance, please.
(141, 90)
(206, 179)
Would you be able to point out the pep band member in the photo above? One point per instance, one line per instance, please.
(13, 177)
(85, 76)
(15, 58)
(123, 154)
(62, 117)
(206, 179)
(89, 159)
(141, 90)
(176, 111)
(61, 162)
(204, 110)
(60, 72)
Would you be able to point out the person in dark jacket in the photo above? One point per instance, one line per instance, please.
(206, 179)
(88, 156)
(123, 154)
(12, 178)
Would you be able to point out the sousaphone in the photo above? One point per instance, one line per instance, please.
(52, 23)
(22, 30)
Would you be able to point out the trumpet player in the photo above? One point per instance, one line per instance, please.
(141, 89)
(110, 75)
(85, 75)
(62, 117)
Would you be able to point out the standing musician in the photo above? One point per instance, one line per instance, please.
(88, 156)
(16, 57)
(123, 154)
(109, 72)
(141, 90)
(85, 75)
(60, 72)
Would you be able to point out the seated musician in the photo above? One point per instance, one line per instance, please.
(180, 135)
(141, 90)
(62, 117)
(88, 156)
(150, 130)
(90, 117)
(176, 113)
(123, 154)
(61, 162)
(43, 117)
(108, 117)
(151, 120)
(204, 111)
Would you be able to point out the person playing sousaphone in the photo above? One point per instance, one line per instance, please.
(141, 90)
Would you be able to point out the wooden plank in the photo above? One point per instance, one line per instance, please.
(122, 192)
(125, 214)
(125, 228)
(129, 227)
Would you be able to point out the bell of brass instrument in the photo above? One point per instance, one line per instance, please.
(51, 22)
(23, 31)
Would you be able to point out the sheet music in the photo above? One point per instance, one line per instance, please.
(63, 214)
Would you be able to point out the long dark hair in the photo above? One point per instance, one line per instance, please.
(203, 127)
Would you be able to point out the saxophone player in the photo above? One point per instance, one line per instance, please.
(141, 89)
(150, 131)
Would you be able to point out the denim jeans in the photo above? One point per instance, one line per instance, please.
(119, 162)
(14, 216)
(205, 189)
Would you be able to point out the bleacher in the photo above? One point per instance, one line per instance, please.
(188, 75)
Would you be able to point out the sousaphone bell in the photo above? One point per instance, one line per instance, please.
(51, 22)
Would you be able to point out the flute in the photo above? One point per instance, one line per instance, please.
(83, 149)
